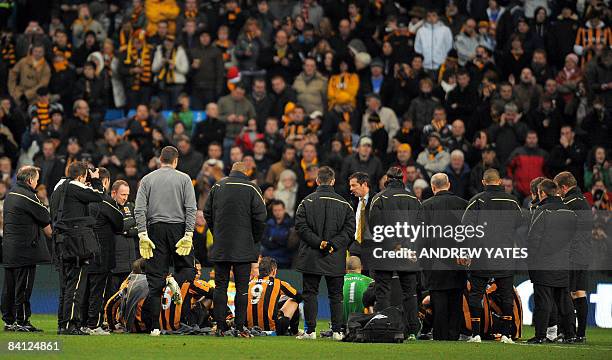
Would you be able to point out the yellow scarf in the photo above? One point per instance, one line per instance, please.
(167, 73)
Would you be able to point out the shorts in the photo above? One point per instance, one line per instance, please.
(578, 277)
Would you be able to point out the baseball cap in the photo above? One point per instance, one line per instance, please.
(365, 141)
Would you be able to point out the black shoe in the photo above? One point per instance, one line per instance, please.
(569, 340)
(427, 336)
(72, 331)
(580, 340)
(536, 340)
(31, 328)
(9, 327)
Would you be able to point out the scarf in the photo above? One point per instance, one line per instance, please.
(225, 45)
(309, 182)
(191, 14)
(60, 66)
(432, 153)
(348, 143)
(233, 15)
(166, 74)
(8, 53)
(42, 113)
(142, 59)
(136, 14)
(38, 64)
(66, 51)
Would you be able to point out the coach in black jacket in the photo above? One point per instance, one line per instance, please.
(394, 205)
(109, 221)
(23, 246)
(359, 185)
(235, 212)
(499, 216)
(325, 223)
(580, 248)
(551, 233)
(444, 278)
(126, 243)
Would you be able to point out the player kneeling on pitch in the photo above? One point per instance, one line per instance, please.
(273, 303)
(127, 311)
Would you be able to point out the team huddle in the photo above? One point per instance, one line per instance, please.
(458, 298)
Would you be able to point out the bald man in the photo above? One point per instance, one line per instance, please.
(444, 278)
(499, 215)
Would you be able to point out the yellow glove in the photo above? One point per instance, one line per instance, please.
(146, 245)
(183, 246)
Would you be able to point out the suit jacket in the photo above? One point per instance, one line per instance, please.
(355, 247)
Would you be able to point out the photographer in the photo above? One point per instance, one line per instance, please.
(23, 246)
(74, 239)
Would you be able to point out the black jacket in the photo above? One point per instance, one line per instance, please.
(324, 215)
(394, 205)
(444, 208)
(355, 249)
(76, 206)
(126, 242)
(499, 216)
(235, 213)
(550, 236)
(24, 217)
(206, 132)
(581, 246)
(109, 221)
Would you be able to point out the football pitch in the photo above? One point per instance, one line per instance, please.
(123, 346)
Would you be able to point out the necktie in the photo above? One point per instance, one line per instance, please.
(361, 228)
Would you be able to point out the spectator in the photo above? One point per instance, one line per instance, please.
(526, 163)
(569, 155)
(248, 48)
(466, 42)
(311, 87)
(527, 91)
(207, 71)
(288, 161)
(488, 161)
(562, 32)
(342, 86)
(276, 240)
(170, 66)
(190, 161)
(88, 47)
(386, 116)
(569, 77)
(599, 76)
(457, 139)
(281, 96)
(422, 107)
(84, 24)
(280, 58)
(234, 111)
(508, 132)
(135, 68)
(458, 174)
(433, 40)
(93, 89)
(364, 161)
(540, 68)
(378, 83)
(597, 168)
(286, 190)
(439, 125)
(28, 75)
(546, 121)
(310, 10)
(598, 124)
(462, 100)
(593, 34)
(161, 10)
(112, 152)
(434, 158)
(211, 130)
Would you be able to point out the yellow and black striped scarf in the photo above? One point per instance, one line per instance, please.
(224, 45)
(143, 59)
(8, 54)
(42, 113)
(191, 14)
(166, 74)
(66, 51)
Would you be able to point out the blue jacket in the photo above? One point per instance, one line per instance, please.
(274, 241)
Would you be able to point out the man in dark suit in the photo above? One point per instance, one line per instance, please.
(444, 278)
(359, 185)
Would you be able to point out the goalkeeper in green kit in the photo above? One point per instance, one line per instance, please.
(355, 285)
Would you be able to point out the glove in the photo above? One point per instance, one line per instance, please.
(146, 245)
(171, 284)
(183, 246)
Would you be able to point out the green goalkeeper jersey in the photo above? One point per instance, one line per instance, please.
(354, 287)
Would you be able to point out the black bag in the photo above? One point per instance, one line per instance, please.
(73, 242)
(386, 326)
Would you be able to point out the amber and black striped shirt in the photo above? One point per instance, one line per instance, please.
(263, 298)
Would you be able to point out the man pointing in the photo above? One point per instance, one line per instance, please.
(165, 214)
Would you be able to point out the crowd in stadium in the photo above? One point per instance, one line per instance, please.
(430, 86)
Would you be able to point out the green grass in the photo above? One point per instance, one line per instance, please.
(123, 346)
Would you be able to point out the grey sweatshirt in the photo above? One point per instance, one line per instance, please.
(165, 196)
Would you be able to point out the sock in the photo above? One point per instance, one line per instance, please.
(475, 326)
(582, 310)
(282, 324)
(551, 332)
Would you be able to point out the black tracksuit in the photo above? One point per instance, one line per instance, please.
(551, 233)
(235, 212)
(389, 207)
(580, 253)
(500, 215)
(109, 221)
(76, 222)
(23, 246)
(323, 215)
(444, 278)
